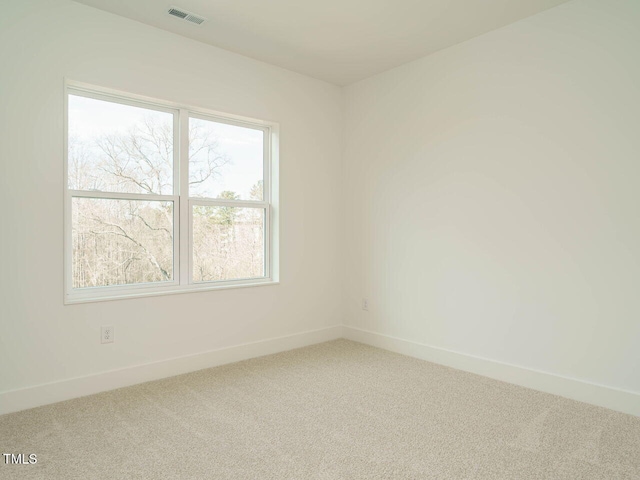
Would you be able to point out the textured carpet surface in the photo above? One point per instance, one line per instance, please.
(339, 410)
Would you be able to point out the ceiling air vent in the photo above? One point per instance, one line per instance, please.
(184, 15)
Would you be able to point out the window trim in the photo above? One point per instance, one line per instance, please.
(182, 204)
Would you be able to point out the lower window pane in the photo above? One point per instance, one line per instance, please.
(228, 243)
(121, 242)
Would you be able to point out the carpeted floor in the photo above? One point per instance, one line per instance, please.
(339, 410)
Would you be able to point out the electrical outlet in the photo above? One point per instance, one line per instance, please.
(365, 304)
(107, 334)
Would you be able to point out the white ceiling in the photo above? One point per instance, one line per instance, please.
(340, 41)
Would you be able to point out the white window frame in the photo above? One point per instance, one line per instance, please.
(182, 204)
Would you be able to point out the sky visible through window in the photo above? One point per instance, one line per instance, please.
(242, 162)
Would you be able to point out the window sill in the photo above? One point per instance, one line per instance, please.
(86, 297)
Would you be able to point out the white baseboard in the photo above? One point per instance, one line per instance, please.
(608, 397)
(583, 391)
(22, 399)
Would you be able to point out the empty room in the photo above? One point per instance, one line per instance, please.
(332, 240)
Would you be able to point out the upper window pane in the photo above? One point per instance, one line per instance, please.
(225, 161)
(119, 148)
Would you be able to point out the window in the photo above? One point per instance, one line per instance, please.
(162, 198)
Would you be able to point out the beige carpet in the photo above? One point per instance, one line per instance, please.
(339, 410)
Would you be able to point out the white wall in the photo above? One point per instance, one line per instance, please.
(492, 196)
(41, 340)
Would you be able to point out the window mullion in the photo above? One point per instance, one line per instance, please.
(211, 202)
(149, 197)
(185, 213)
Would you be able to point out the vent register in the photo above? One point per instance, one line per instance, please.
(187, 16)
